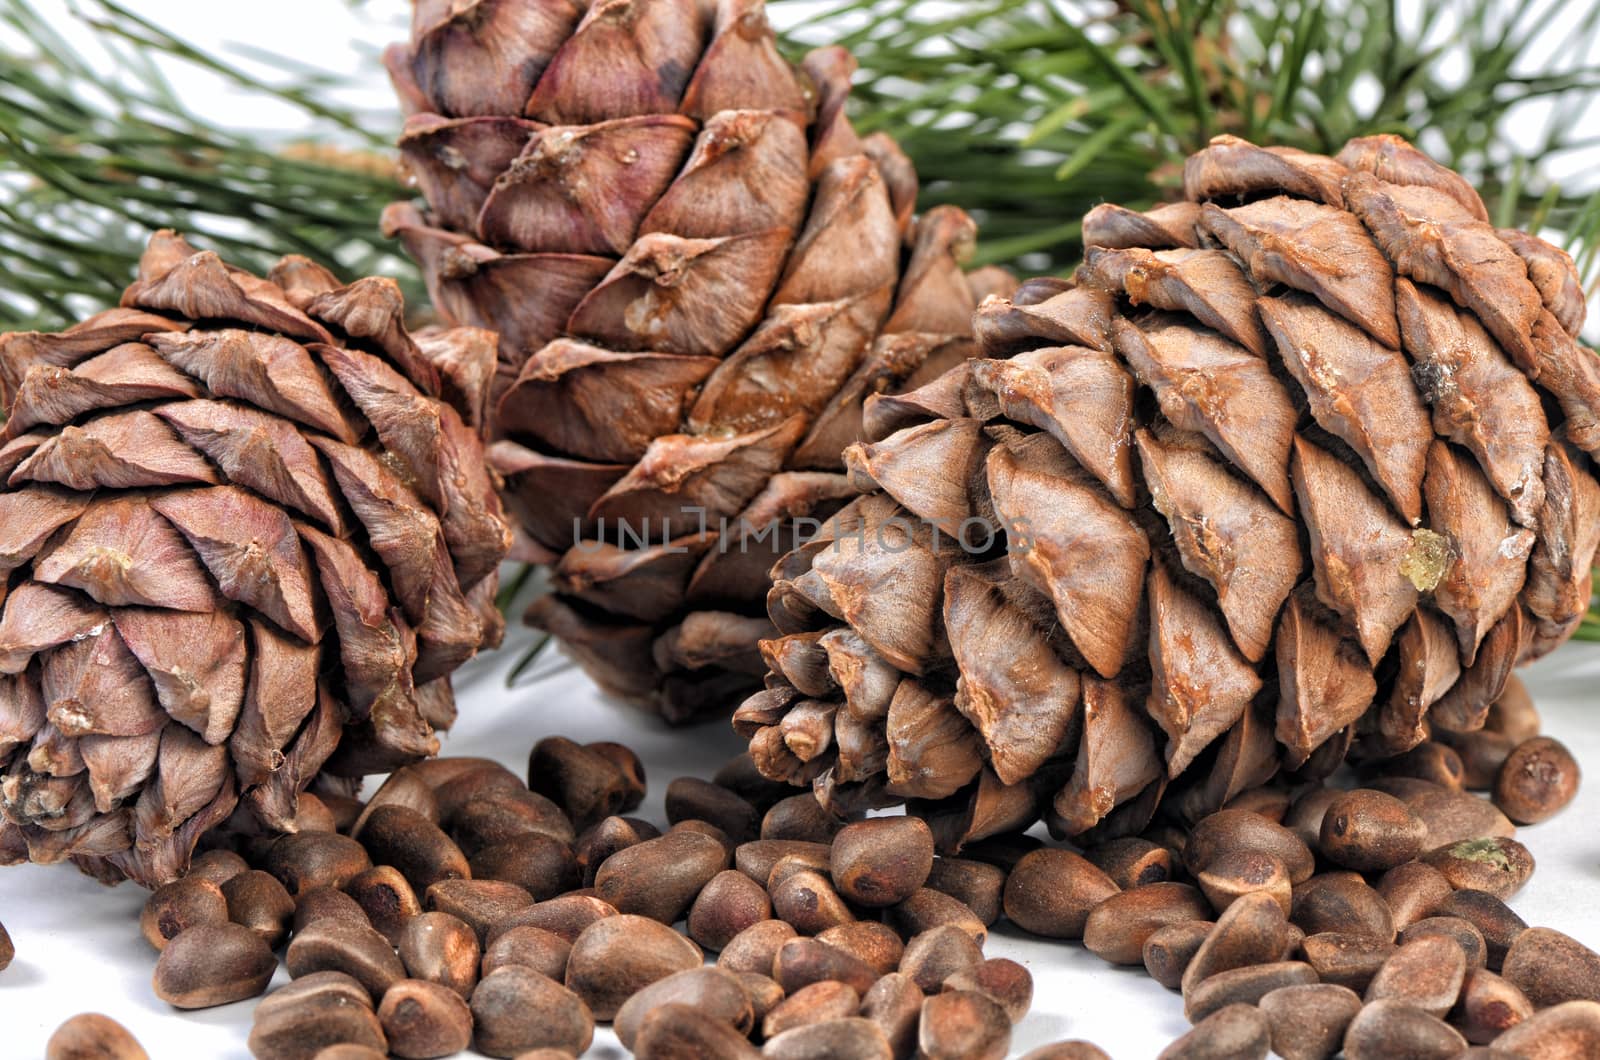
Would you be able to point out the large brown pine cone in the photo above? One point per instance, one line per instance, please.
(699, 272)
(1294, 466)
(245, 542)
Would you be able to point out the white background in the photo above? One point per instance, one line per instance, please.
(79, 948)
(78, 945)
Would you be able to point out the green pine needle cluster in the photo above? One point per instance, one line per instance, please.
(1029, 112)
(1026, 112)
(97, 150)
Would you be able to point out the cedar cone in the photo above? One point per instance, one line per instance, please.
(245, 543)
(699, 272)
(1298, 466)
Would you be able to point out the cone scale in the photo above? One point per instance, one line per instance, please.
(246, 542)
(699, 272)
(1296, 469)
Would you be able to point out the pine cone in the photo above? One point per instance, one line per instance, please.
(699, 272)
(245, 542)
(1295, 468)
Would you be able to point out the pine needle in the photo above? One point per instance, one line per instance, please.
(527, 659)
(512, 587)
(1029, 112)
(1026, 112)
(96, 150)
